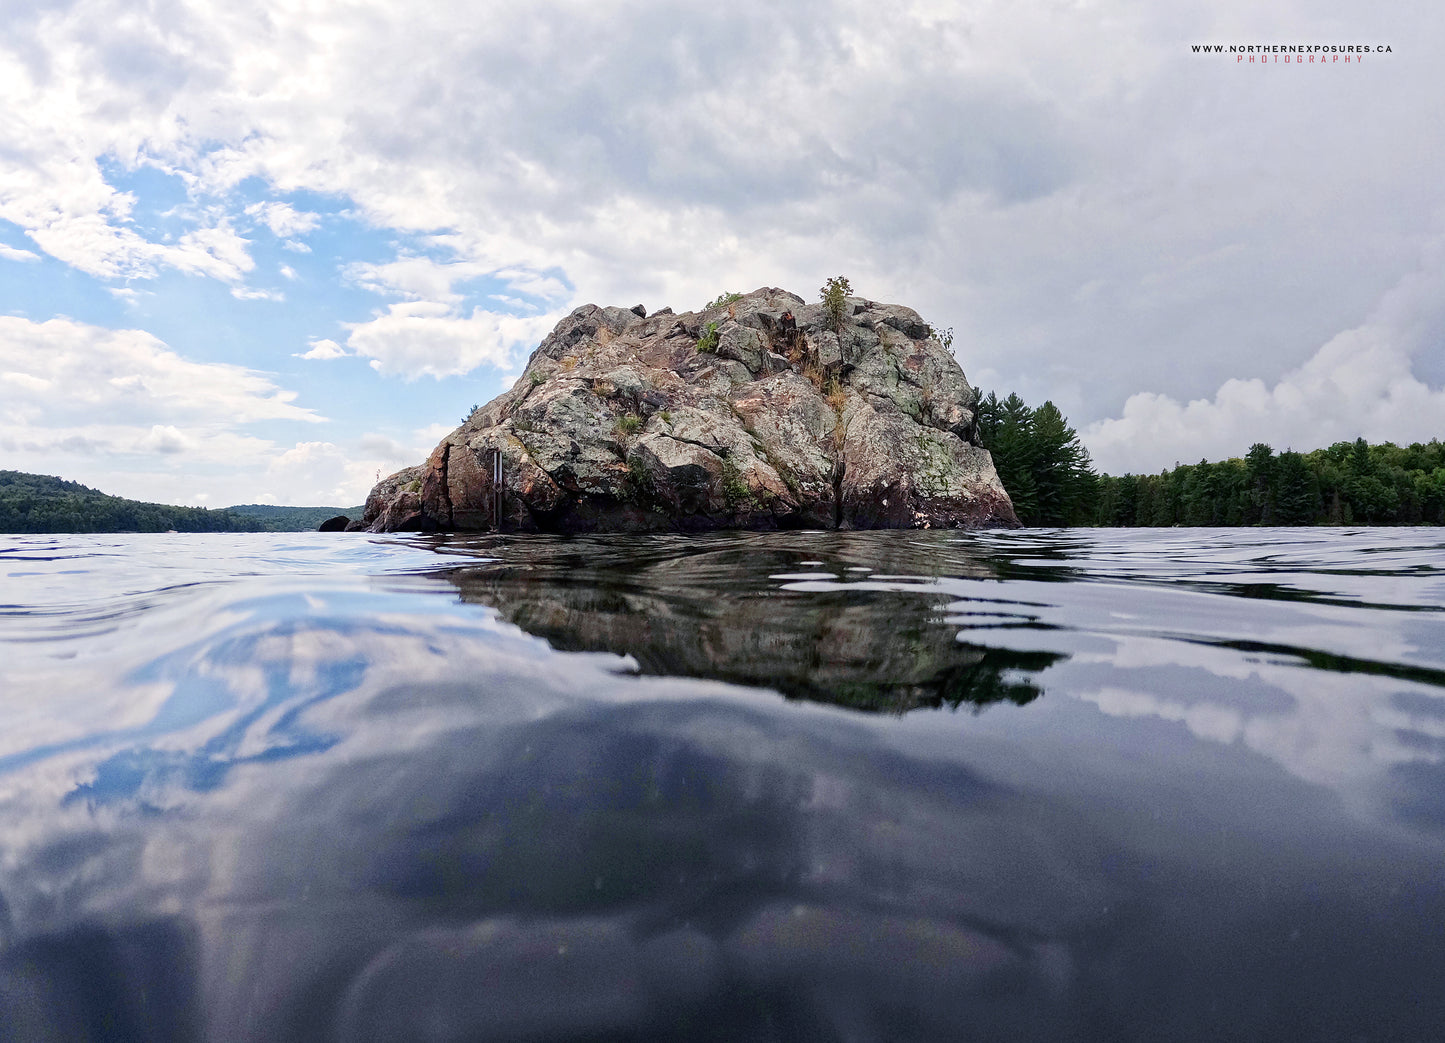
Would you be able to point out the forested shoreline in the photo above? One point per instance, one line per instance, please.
(36, 503)
(1040, 460)
(1050, 477)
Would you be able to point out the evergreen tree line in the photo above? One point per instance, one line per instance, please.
(40, 503)
(291, 519)
(1040, 461)
(1049, 476)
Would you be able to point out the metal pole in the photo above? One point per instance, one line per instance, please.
(497, 490)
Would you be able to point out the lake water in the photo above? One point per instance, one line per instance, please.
(1049, 784)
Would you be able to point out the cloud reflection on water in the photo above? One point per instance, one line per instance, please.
(528, 796)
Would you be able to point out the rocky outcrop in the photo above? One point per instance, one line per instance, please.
(754, 414)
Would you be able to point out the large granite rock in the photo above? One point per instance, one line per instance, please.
(754, 414)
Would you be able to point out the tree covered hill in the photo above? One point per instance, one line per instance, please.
(42, 503)
(291, 519)
(1348, 483)
(1048, 474)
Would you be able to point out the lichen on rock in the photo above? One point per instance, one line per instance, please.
(621, 423)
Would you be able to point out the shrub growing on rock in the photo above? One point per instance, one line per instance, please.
(834, 296)
(708, 341)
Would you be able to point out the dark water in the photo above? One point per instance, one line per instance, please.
(1060, 785)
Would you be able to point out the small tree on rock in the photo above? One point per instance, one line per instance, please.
(834, 296)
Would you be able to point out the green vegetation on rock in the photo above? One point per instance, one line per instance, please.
(707, 343)
(834, 296)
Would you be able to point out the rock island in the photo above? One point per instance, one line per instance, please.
(759, 412)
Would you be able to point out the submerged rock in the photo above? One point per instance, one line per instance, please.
(753, 414)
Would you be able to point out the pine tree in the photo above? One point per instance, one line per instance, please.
(1040, 461)
(1013, 457)
(1297, 491)
(1062, 476)
(1260, 463)
(1371, 500)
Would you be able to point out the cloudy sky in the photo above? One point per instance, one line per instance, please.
(264, 251)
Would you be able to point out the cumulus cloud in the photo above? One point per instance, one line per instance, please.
(120, 410)
(164, 438)
(11, 253)
(285, 221)
(1359, 383)
(326, 473)
(172, 466)
(416, 278)
(74, 372)
(1094, 209)
(324, 349)
(557, 156)
(86, 227)
(433, 433)
(413, 339)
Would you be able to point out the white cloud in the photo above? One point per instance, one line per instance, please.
(76, 217)
(1092, 208)
(164, 438)
(324, 349)
(221, 471)
(325, 473)
(284, 221)
(1359, 383)
(414, 339)
(11, 253)
(535, 284)
(433, 433)
(121, 411)
(217, 251)
(415, 278)
(91, 373)
(250, 293)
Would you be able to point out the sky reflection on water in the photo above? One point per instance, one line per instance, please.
(1065, 785)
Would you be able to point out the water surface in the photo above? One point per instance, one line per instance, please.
(1071, 784)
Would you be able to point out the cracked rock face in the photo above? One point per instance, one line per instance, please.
(756, 414)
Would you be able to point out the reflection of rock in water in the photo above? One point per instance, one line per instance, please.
(710, 607)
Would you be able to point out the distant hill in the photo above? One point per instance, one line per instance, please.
(292, 519)
(44, 503)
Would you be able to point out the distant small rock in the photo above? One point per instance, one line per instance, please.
(337, 524)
